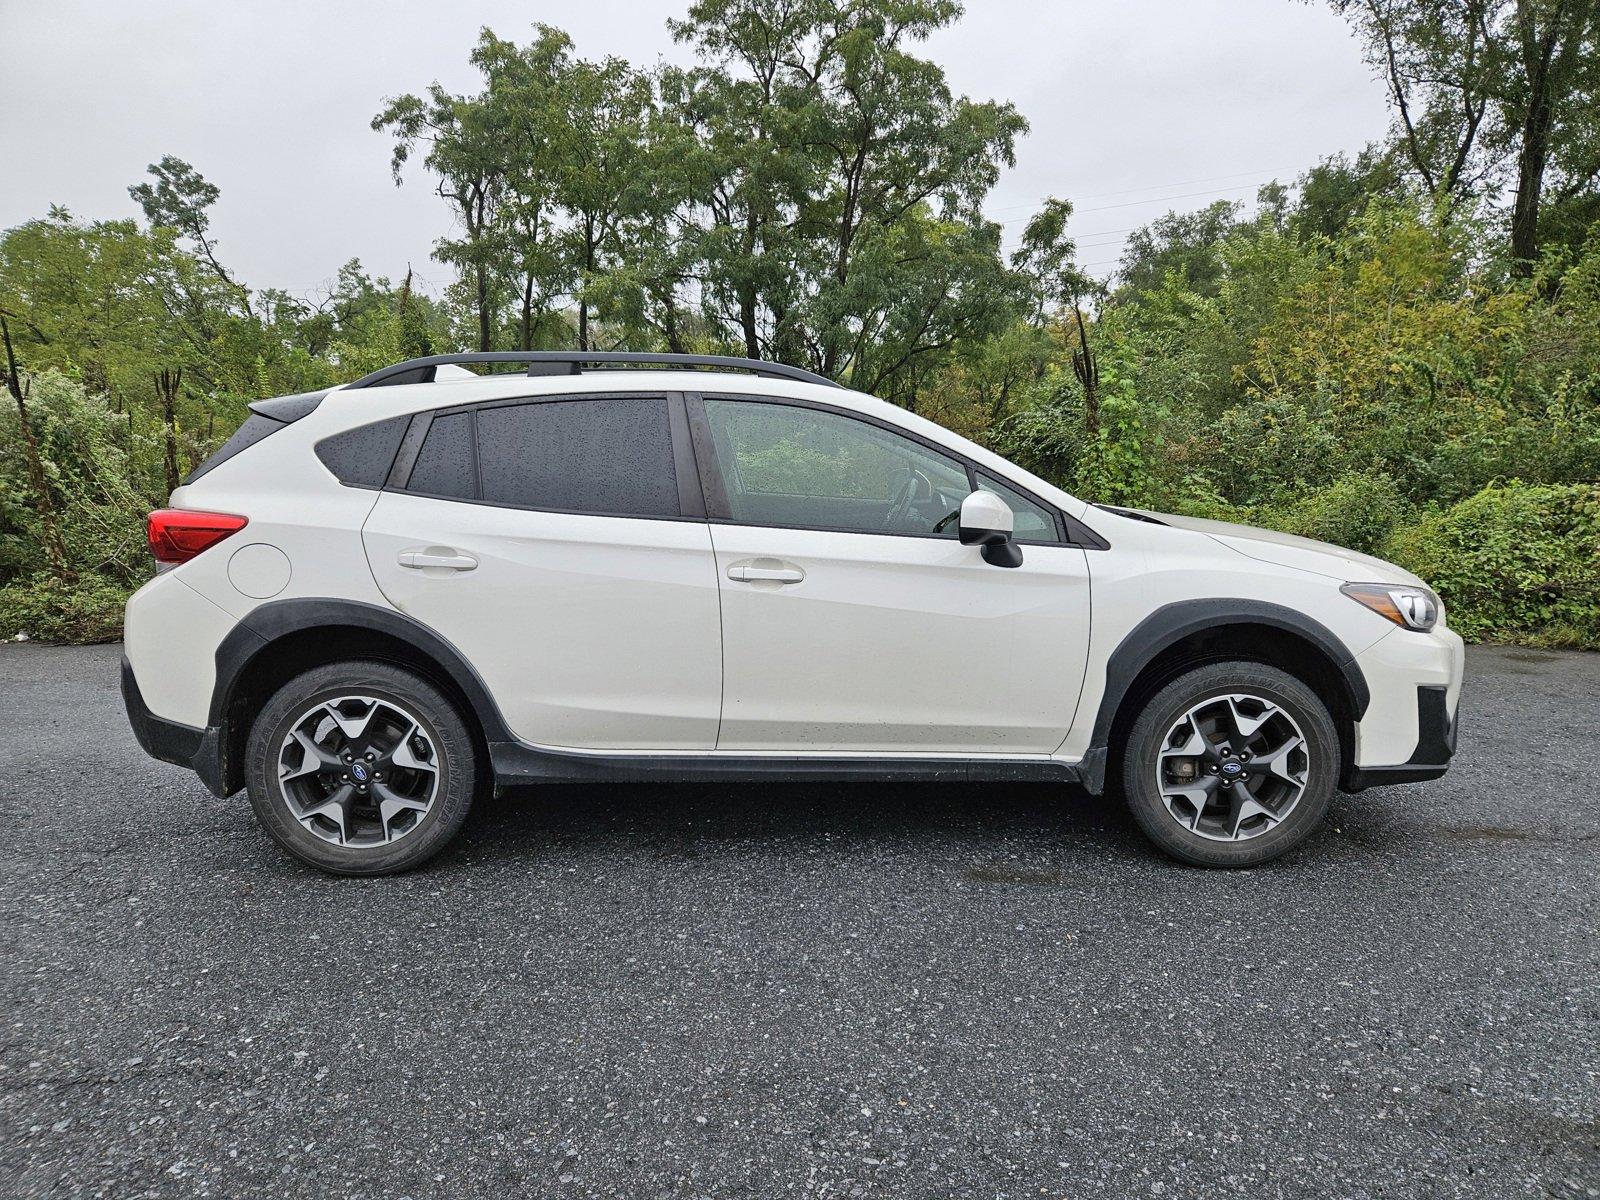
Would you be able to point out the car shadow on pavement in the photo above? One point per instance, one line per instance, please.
(680, 820)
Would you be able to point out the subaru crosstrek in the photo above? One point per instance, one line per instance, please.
(377, 601)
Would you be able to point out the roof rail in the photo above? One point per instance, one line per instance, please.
(572, 362)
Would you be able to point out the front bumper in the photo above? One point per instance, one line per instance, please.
(182, 745)
(1436, 745)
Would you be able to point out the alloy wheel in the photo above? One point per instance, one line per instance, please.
(1232, 767)
(358, 771)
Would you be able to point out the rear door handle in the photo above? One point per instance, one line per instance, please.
(765, 571)
(434, 556)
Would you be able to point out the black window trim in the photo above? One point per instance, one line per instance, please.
(1069, 532)
(691, 503)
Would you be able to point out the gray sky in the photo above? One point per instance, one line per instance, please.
(1136, 107)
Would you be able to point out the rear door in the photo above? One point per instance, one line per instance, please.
(560, 544)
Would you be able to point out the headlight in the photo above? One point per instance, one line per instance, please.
(1408, 607)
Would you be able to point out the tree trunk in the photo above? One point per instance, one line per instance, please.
(527, 314)
(747, 290)
(1087, 369)
(583, 283)
(485, 342)
(1530, 183)
(167, 384)
(669, 324)
(55, 550)
(1537, 55)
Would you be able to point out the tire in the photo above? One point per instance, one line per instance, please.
(1265, 823)
(315, 815)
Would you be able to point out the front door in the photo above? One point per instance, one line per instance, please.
(546, 541)
(854, 621)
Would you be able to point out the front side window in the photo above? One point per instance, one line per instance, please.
(811, 469)
(609, 455)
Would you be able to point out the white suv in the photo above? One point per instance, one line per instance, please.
(379, 599)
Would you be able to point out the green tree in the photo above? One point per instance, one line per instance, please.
(894, 284)
(602, 174)
(1186, 244)
(466, 149)
(528, 94)
(1489, 93)
(748, 104)
(181, 199)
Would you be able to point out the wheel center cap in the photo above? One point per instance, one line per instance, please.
(1231, 768)
(359, 772)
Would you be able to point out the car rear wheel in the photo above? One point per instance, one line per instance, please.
(361, 768)
(1231, 765)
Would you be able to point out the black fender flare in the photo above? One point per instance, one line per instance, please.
(270, 622)
(1172, 623)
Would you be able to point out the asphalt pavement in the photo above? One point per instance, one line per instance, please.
(811, 991)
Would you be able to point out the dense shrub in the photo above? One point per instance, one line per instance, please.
(88, 609)
(1355, 511)
(92, 460)
(1516, 562)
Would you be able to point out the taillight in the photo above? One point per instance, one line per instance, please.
(177, 535)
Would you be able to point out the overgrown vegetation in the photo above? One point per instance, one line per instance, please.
(1398, 353)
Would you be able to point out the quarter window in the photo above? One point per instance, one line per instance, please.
(1034, 522)
(361, 457)
(811, 469)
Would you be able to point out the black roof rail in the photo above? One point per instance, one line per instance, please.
(572, 362)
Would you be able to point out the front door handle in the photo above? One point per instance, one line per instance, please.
(765, 570)
(436, 556)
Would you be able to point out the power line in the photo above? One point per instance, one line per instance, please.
(1151, 200)
(1155, 187)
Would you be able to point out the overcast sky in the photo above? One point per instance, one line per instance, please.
(1136, 107)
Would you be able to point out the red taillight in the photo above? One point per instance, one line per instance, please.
(177, 535)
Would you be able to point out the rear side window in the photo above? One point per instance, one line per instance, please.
(607, 455)
(361, 457)
(445, 465)
(610, 456)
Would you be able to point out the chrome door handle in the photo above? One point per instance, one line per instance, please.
(433, 557)
(759, 572)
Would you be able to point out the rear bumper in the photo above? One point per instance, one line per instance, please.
(1437, 727)
(182, 745)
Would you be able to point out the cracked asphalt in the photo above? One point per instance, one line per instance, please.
(802, 990)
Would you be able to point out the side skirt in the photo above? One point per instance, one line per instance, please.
(516, 764)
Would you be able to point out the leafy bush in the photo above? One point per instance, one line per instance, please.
(1354, 511)
(43, 608)
(1516, 562)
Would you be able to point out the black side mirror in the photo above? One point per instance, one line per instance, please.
(986, 521)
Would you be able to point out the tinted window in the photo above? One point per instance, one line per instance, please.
(252, 431)
(445, 466)
(607, 455)
(803, 467)
(1035, 523)
(266, 417)
(362, 457)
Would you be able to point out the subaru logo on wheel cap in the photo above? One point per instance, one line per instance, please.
(358, 772)
(1232, 768)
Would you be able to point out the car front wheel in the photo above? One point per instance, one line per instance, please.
(361, 768)
(1231, 765)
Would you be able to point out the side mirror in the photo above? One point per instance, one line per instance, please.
(986, 521)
